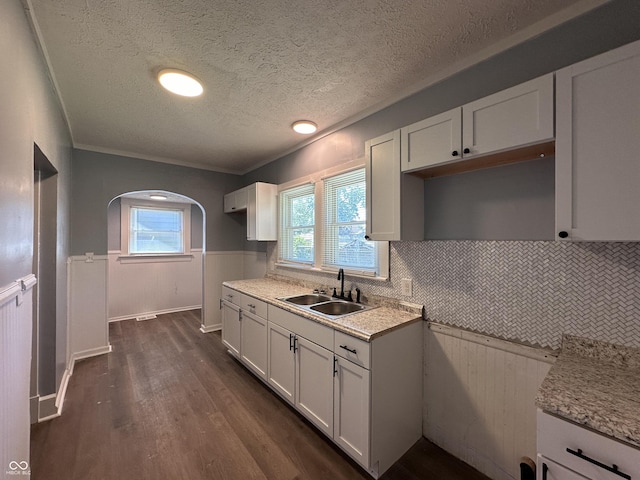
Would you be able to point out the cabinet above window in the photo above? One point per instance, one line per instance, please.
(259, 200)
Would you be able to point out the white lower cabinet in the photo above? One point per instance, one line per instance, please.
(581, 452)
(352, 409)
(550, 470)
(253, 341)
(314, 383)
(231, 326)
(281, 366)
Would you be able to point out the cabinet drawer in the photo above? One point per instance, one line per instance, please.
(315, 332)
(550, 470)
(230, 295)
(253, 305)
(556, 436)
(353, 349)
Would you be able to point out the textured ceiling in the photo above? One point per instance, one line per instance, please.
(264, 64)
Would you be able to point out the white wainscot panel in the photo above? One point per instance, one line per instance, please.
(479, 398)
(153, 285)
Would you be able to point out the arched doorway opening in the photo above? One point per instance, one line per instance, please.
(156, 244)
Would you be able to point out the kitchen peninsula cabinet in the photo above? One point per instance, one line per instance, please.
(513, 118)
(260, 201)
(395, 201)
(598, 147)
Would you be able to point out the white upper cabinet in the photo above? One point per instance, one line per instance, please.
(433, 141)
(236, 201)
(513, 118)
(395, 202)
(260, 202)
(598, 148)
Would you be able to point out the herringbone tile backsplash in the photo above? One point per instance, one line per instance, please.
(527, 291)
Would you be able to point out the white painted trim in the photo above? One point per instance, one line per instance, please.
(93, 352)
(62, 390)
(28, 282)
(536, 353)
(210, 328)
(9, 292)
(87, 259)
(166, 258)
(155, 312)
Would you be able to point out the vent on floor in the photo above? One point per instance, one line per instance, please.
(145, 317)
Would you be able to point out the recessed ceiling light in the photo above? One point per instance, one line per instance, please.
(304, 126)
(156, 196)
(180, 83)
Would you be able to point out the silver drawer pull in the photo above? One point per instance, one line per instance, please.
(612, 469)
(251, 306)
(349, 350)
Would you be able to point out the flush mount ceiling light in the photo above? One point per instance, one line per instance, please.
(180, 83)
(157, 196)
(304, 126)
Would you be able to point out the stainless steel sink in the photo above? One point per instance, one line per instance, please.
(308, 299)
(325, 305)
(337, 308)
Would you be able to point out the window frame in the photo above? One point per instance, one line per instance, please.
(318, 179)
(125, 221)
(281, 225)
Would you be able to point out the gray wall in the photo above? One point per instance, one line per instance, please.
(99, 177)
(31, 114)
(607, 27)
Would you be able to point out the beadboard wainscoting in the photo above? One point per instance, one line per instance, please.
(479, 398)
(88, 328)
(153, 285)
(223, 266)
(16, 316)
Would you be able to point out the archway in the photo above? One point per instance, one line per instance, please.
(156, 244)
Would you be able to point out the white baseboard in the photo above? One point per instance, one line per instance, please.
(210, 328)
(93, 352)
(62, 391)
(156, 312)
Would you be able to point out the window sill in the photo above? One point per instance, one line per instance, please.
(160, 258)
(311, 269)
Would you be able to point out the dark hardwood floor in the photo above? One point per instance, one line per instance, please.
(169, 403)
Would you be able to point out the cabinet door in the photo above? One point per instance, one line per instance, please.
(597, 145)
(231, 329)
(433, 141)
(281, 361)
(252, 214)
(314, 383)
(550, 470)
(395, 202)
(351, 409)
(519, 116)
(229, 202)
(254, 343)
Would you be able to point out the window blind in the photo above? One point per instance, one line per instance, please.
(345, 224)
(297, 224)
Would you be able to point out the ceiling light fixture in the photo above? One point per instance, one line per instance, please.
(157, 196)
(180, 83)
(304, 126)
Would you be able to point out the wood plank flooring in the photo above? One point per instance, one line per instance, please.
(169, 403)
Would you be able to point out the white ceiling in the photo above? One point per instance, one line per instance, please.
(264, 64)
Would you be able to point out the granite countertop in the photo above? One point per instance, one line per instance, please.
(595, 384)
(366, 325)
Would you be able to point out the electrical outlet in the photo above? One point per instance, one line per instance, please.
(407, 287)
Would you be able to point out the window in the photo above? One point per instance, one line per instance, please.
(345, 215)
(155, 231)
(154, 228)
(323, 225)
(297, 224)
